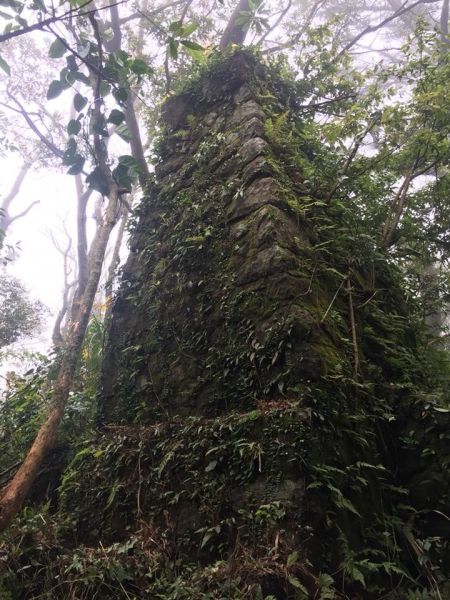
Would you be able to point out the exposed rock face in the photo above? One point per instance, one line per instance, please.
(216, 294)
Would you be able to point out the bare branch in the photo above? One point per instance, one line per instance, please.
(139, 14)
(295, 38)
(372, 28)
(42, 25)
(21, 110)
(24, 212)
(283, 13)
(15, 188)
(185, 10)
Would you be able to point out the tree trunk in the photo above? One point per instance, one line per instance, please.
(15, 493)
(82, 254)
(115, 260)
(235, 33)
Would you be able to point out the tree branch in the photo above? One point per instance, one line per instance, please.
(277, 22)
(15, 188)
(42, 24)
(21, 110)
(24, 212)
(295, 38)
(77, 11)
(372, 28)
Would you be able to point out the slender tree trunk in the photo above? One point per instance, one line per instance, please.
(136, 146)
(82, 200)
(396, 211)
(15, 493)
(235, 33)
(444, 23)
(113, 265)
(82, 254)
(137, 149)
(57, 335)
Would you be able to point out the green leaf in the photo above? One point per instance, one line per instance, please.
(129, 161)
(123, 132)
(82, 77)
(22, 21)
(98, 126)
(120, 95)
(70, 152)
(197, 55)
(173, 49)
(140, 67)
(54, 89)
(211, 466)
(14, 4)
(192, 45)
(57, 49)
(67, 78)
(77, 166)
(74, 126)
(71, 62)
(116, 117)
(206, 539)
(84, 49)
(357, 575)
(292, 558)
(296, 583)
(105, 88)
(175, 26)
(122, 177)
(4, 66)
(188, 29)
(344, 502)
(127, 171)
(112, 494)
(79, 102)
(97, 181)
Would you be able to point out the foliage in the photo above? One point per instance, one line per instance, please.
(327, 485)
(269, 499)
(21, 316)
(26, 399)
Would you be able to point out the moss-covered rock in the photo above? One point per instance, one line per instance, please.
(262, 407)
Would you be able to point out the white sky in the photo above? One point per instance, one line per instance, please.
(39, 266)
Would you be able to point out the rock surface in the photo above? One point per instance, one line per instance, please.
(217, 255)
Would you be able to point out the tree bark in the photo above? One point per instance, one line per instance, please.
(82, 253)
(235, 33)
(136, 146)
(57, 334)
(115, 260)
(444, 22)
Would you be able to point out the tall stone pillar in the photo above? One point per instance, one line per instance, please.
(220, 304)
